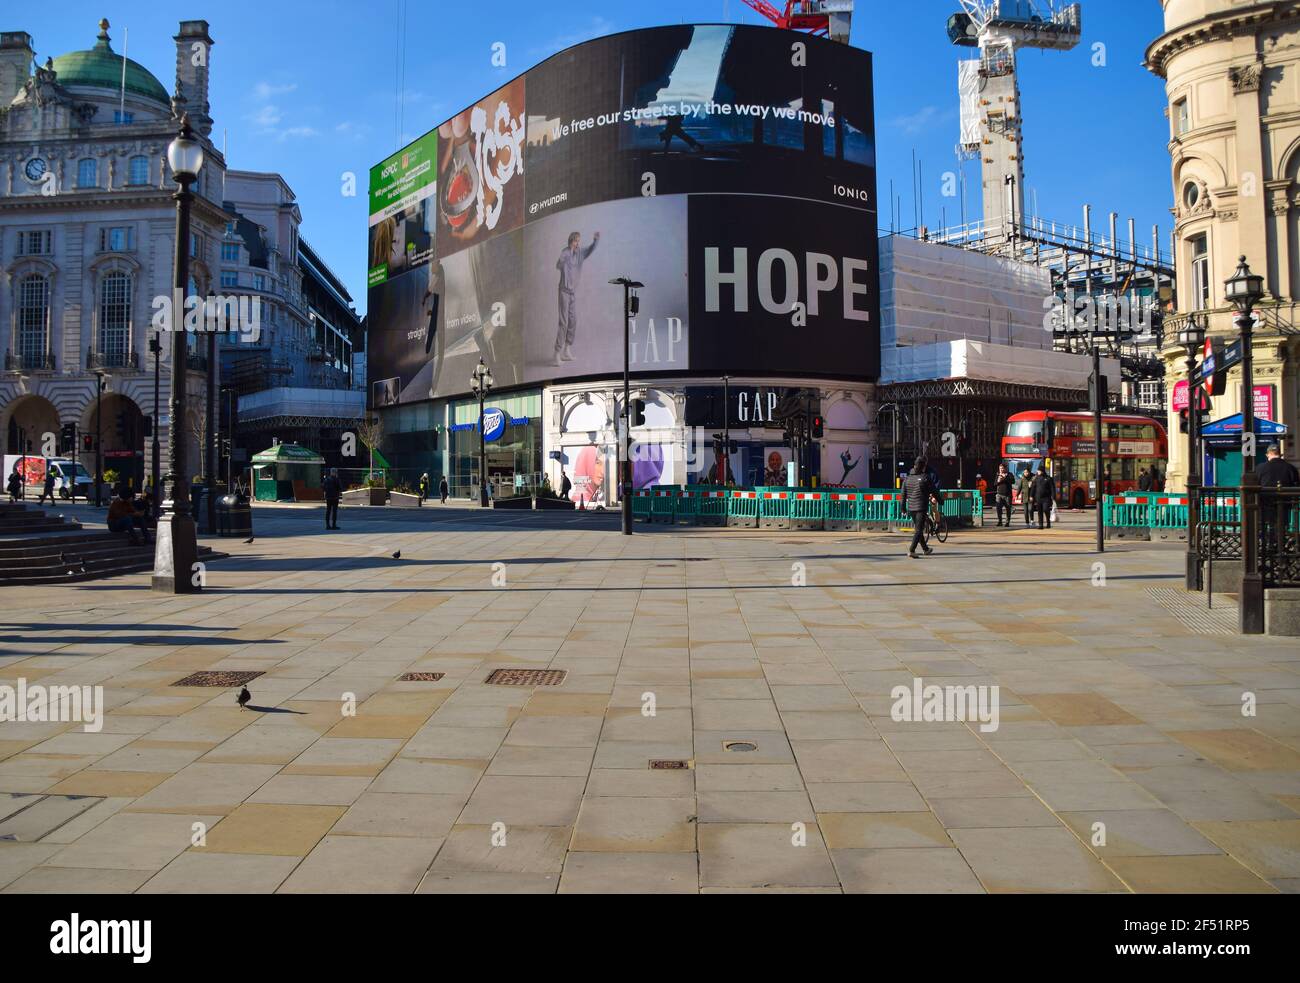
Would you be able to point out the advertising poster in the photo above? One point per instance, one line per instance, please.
(781, 285)
(481, 170)
(402, 189)
(574, 314)
(775, 460)
(698, 108)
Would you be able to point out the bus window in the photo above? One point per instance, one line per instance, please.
(1025, 428)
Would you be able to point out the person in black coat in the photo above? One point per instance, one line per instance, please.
(1043, 492)
(566, 485)
(918, 490)
(1277, 473)
(333, 489)
(1003, 485)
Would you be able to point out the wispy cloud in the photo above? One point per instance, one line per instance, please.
(263, 91)
(596, 27)
(266, 117)
(296, 133)
(925, 118)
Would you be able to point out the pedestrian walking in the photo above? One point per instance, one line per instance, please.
(47, 488)
(1157, 479)
(443, 490)
(1043, 492)
(566, 485)
(1275, 472)
(15, 485)
(982, 487)
(424, 487)
(918, 490)
(1144, 480)
(1026, 499)
(1002, 488)
(333, 489)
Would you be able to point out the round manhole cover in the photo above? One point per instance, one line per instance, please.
(739, 746)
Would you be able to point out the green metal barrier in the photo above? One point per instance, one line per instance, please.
(807, 509)
(964, 505)
(663, 502)
(742, 508)
(687, 511)
(641, 505)
(881, 509)
(712, 508)
(1155, 515)
(774, 507)
(843, 510)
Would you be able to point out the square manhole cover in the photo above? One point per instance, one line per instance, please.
(526, 677)
(218, 677)
(420, 677)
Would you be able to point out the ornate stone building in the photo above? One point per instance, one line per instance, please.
(1232, 77)
(87, 223)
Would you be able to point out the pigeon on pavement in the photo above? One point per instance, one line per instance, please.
(397, 555)
(244, 697)
(248, 540)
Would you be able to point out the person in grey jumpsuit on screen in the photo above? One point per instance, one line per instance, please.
(570, 266)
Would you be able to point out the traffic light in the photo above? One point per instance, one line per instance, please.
(120, 427)
(1182, 421)
(68, 436)
(87, 442)
(638, 412)
(818, 426)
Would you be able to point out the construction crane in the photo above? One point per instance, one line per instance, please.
(990, 94)
(826, 18)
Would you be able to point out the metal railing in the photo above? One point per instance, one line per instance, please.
(28, 363)
(1279, 536)
(112, 360)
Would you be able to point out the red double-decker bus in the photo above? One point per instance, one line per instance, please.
(1067, 442)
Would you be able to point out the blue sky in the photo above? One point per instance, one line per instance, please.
(311, 90)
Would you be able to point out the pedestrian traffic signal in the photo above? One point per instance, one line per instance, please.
(818, 427)
(638, 412)
(87, 442)
(120, 427)
(68, 435)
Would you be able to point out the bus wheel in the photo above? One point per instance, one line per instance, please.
(1078, 500)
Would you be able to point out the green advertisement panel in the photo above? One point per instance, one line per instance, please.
(402, 189)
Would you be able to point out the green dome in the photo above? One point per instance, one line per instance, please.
(102, 68)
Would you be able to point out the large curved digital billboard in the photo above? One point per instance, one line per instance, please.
(730, 169)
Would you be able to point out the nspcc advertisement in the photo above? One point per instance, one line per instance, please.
(730, 169)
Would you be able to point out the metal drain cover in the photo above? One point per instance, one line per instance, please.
(420, 677)
(739, 746)
(668, 764)
(526, 677)
(223, 678)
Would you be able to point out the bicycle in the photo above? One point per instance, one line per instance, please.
(936, 523)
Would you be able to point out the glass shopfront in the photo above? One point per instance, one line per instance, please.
(512, 449)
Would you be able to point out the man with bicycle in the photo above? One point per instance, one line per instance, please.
(918, 491)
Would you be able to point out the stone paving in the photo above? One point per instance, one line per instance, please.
(1122, 760)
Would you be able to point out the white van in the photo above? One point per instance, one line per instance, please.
(67, 476)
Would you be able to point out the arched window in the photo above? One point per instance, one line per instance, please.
(139, 171)
(115, 318)
(88, 173)
(33, 319)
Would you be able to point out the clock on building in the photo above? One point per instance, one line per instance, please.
(35, 169)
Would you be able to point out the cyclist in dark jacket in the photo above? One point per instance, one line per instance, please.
(918, 490)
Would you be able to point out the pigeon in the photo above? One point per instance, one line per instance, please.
(244, 697)
(397, 555)
(248, 540)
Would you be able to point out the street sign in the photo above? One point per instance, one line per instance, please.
(1219, 358)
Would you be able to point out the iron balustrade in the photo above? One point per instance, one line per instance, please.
(1218, 532)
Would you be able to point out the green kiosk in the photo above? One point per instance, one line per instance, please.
(287, 472)
(1222, 441)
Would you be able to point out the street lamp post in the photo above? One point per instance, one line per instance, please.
(177, 548)
(99, 438)
(209, 429)
(155, 463)
(726, 431)
(1192, 338)
(481, 384)
(631, 304)
(1243, 290)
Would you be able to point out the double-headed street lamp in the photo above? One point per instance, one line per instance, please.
(177, 547)
(1192, 339)
(1243, 290)
(155, 463)
(481, 384)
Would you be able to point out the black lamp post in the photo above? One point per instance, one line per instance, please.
(99, 438)
(1192, 337)
(155, 464)
(481, 384)
(177, 549)
(631, 305)
(210, 425)
(1243, 290)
